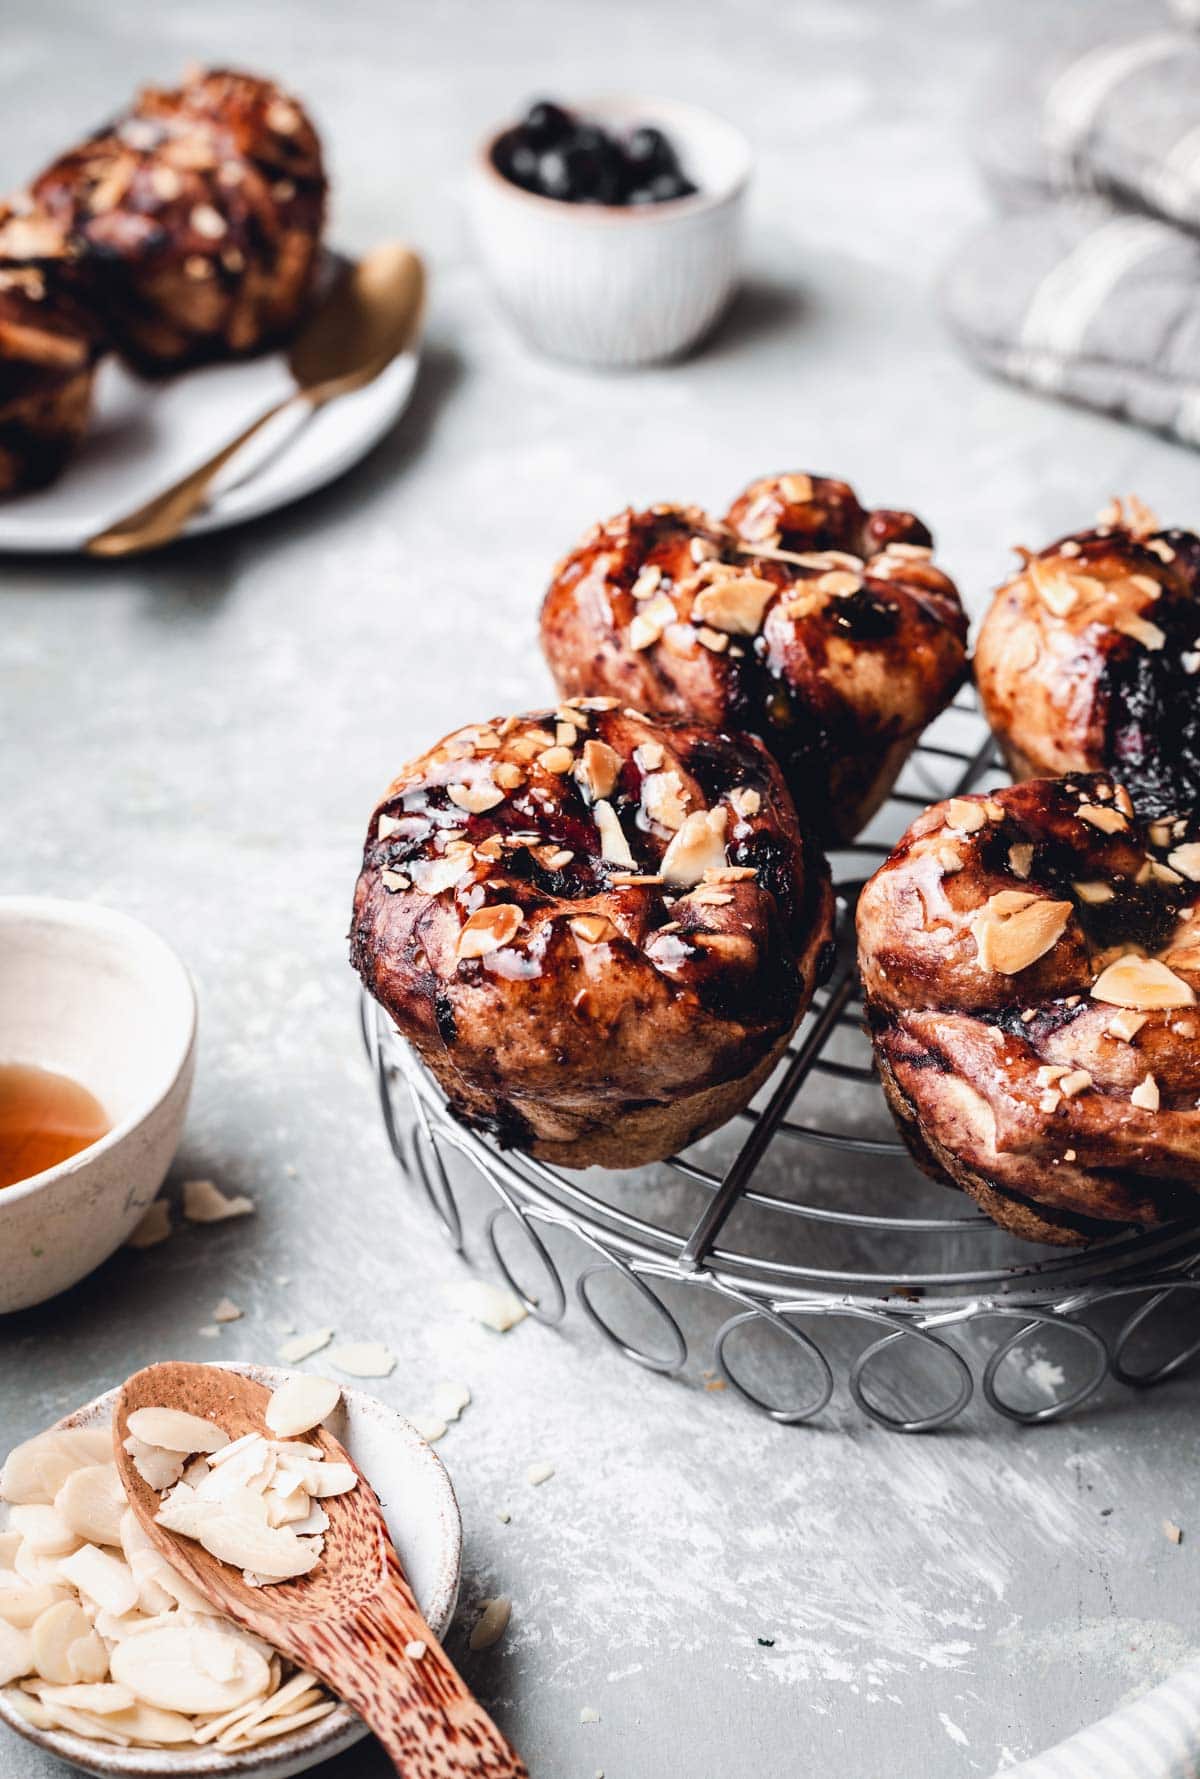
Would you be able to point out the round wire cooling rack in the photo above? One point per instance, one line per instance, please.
(800, 1247)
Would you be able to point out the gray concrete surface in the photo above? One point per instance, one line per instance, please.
(198, 739)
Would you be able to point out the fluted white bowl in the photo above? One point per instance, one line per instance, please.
(605, 284)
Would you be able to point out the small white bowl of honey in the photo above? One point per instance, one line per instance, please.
(97, 1048)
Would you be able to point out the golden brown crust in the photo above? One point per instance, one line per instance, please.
(823, 629)
(48, 351)
(597, 930)
(1031, 961)
(192, 223)
(1087, 659)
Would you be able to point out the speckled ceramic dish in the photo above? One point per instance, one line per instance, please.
(423, 1518)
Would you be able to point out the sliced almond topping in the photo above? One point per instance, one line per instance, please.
(1014, 929)
(647, 581)
(1094, 892)
(432, 876)
(649, 624)
(475, 798)
(486, 931)
(395, 881)
(556, 759)
(702, 549)
(1074, 1083)
(1058, 591)
(1050, 1100)
(1020, 858)
(1151, 871)
(746, 802)
(730, 874)
(1186, 860)
(758, 522)
(715, 641)
(967, 817)
(1142, 630)
(1126, 1025)
(840, 582)
(1050, 1072)
(300, 1404)
(796, 490)
(1146, 583)
(649, 755)
(735, 605)
(1146, 1094)
(613, 845)
(1102, 816)
(389, 825)
(1134, 981)
(599, 769)
(492, 1623)
(949, 858)
(697, 847)
(565, 734)
(664, 800)
(593, 929)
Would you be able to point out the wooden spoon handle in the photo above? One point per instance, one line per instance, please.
(417, 1704)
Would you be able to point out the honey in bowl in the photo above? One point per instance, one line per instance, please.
(45, 1118)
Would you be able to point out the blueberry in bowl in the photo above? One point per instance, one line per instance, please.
(610, 229)
(559, 154)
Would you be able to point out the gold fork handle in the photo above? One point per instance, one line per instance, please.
(165, 515)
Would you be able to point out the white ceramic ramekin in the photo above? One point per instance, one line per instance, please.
(619, 285)
(97, 996)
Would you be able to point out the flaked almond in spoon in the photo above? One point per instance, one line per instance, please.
(351, 1619)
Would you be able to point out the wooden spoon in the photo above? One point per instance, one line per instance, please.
(372, 314)
(348, 1621)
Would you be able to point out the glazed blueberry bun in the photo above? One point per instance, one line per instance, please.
(193, 222)
(1030, 961)
(48, 352)
(598, 930)
(823, 629)
(1088, 657)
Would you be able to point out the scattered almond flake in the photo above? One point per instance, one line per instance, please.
(734, 605)
(664, 799)
(431, 1427)
(1015, 928)
(966, 817)
(1146, 1094)
(592, 928)
(648, 580)
(204, 1202)
(613, 845)
(434, 875)
(539, 1473)
(489, 929)
(649, 755)
(1098, 815)
(300, 1404)
(715, 641)
(1126, 1025)
(415, 1649)
(227, 1311)
(1142, 982)
(157, 1468)
(1050, 1100)
(303, 1346)
(1051, 1072)
(495, 1306)
(1141, 630)
(394, 881)
(363, 1358)
(492, 1622)
(1076, 1082)
(450, 1398)
(1172, 1532)
(589, 1714)
(389, 825)
(746, 802)
(598, 769)
(1020, 858)
(1094, 892)
(154, 1227)
(503, 1515)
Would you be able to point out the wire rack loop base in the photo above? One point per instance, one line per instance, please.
(814, 1250)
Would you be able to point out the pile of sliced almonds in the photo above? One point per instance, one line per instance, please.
(101, 1636)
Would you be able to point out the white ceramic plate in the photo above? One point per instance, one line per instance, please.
(423, 1518)
(146, 435)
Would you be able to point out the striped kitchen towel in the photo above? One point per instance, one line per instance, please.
(1089, 303)
(1087, 286)
(1157, 1737)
